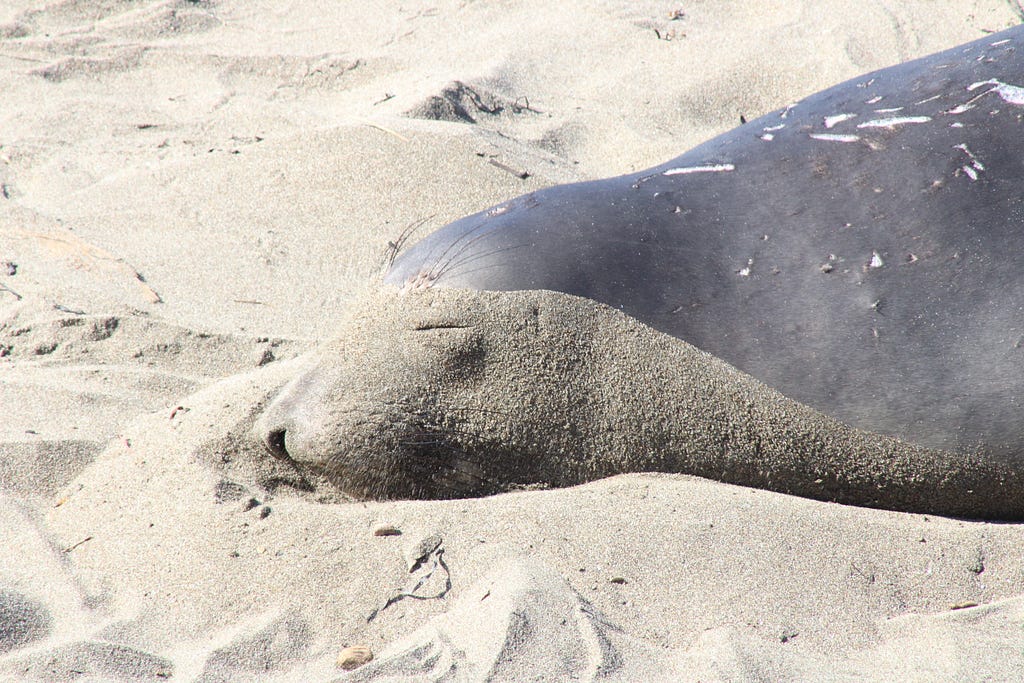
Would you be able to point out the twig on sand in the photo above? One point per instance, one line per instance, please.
(84, 540)
(523, 175)
(89, 257)
(5, 288)
(371, 124)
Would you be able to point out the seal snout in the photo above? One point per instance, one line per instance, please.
(277, 428)
(274, 441)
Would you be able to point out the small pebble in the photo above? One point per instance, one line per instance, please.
(354, 657)
(387, 530)
(264, 357)
(45, 348)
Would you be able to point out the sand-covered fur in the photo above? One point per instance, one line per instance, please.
(455, 393)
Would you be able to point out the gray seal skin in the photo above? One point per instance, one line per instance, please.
(859, 251)
(856, 252)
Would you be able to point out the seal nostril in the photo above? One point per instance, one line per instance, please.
(274, 441)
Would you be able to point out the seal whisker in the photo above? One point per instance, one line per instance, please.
(395, 247)
(477, 409)
(454, 265)
(447, 430)
(464, 409)
(455, 470)
(460, 245)
(454, 244)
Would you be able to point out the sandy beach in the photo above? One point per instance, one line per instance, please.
(191, 191)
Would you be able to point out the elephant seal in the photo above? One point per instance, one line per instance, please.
(856, 252)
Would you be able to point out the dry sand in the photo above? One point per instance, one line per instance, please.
(191, 191)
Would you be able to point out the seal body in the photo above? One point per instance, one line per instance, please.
(855, 256)
(860, 251)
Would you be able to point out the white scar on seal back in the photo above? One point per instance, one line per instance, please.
(960, 109)
(975, 166)
(838, 118)
(1013, 94)
(717, 168)
(894, 121)
(832, 137)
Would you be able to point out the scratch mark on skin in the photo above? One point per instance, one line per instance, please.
(785, 112)
(717, 168)
(956, 124)
(933, 97)
(838, 118)
(890, 110)
(874, 100)
(832, 137)
(1011, 94)
(975, 167)
(767, 137)
(894, 121)
(960, 109)
(769, 129)
(999, 42)
(642, 180)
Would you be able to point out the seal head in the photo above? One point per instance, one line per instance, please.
(446, 393)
